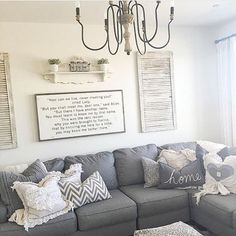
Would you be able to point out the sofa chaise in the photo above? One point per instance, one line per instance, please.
(132, 206)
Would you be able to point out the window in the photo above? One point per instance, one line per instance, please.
(7, 121)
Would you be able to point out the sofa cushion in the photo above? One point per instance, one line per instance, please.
(153, 201)
(113, 211)
(127, 159)
(220, 208)
(61, 226)
(56, 164)
(102, 162)
(180, 146)
(34, 173)
(3, 212)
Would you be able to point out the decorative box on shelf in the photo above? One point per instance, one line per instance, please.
(77, 77)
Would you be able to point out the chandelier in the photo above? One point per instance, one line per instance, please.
(119, 18)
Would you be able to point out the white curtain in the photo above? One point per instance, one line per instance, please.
(226, 56)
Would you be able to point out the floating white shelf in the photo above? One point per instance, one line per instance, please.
(77, 77)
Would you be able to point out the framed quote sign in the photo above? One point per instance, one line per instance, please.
(68, 115)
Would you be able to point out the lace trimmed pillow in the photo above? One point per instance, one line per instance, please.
(42, 202)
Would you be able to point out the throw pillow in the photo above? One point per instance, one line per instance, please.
(56, 164)
(178, 159)
(227, 151)
(34, 173)
(151, 172)
(73, 174)
(211, 146)
(220, 175)
(14, 168)
(201, 152)
(93, 189)
(189, 176)
(42, 202)
(103, 162)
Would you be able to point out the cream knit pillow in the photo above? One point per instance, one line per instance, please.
(178, 159)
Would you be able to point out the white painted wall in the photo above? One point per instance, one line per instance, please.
(30, 45)
(225, 29)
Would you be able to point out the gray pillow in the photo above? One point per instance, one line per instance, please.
(128, 162)
(223, 153)
(151, 172)
(56, 164)
(102, 162)
(34, 173)
(200, 153)
(189, 176)
(180, 146)
(227, 151)
(3, 212)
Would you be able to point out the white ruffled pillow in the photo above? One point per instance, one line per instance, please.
(177, 159)
(211, 146)
(73, 174)
(42, 202)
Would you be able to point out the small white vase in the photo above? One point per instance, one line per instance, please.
(104, 67)
(53, 68)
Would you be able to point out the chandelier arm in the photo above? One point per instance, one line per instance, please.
(115, 23)
(108, 38)
(137, 21)
(83, 41)
(129, 9)
(118, 18)
(168, 39)
(119, 26)
(145, 38)
(157, 24)
(136, 42)
(121, 5)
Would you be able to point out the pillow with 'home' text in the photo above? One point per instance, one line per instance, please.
(189, 176)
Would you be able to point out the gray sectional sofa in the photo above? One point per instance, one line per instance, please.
(132, 206)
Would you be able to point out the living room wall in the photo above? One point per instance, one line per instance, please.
(30, 45)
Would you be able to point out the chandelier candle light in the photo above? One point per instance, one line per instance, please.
(120, 17)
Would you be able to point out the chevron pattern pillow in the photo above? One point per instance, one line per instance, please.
(93, 189)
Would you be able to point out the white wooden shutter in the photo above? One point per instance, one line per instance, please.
(156, 90)
(7, 122)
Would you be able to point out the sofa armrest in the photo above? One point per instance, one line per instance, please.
(3, 212)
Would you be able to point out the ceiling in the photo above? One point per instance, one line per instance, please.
(188, 12)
